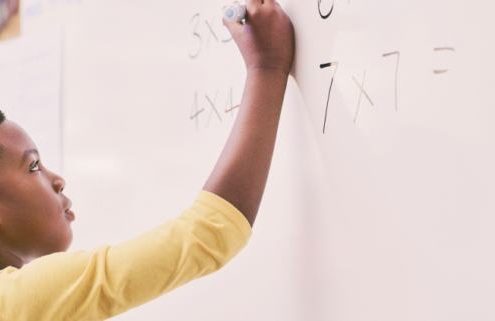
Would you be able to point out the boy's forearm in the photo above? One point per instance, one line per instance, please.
(241, 171)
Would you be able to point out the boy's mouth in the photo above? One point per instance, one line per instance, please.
(70, 215)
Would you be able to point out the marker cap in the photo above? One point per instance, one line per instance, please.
(235, 12)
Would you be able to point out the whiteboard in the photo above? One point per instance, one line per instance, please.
(378, 205)
(30, 89)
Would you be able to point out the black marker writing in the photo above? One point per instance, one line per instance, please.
(389, 54)
(358, 107)
(362, 92)
(196, 35)
(330, 11)
(195, 112)
(440, 49)
(213, 107)
(361, 87)
(206, 104)
(202, 37)
(230, 103)
(211, 33)
(322, 66)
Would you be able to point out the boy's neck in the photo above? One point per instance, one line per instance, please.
(8, 258)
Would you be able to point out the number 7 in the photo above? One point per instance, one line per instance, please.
(322, 66)
(397, 53)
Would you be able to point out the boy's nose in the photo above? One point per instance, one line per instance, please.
(59, 184)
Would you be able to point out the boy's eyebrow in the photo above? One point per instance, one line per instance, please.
(27, 153)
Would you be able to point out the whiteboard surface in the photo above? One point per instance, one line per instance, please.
(387, 215)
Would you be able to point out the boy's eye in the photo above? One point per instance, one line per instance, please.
(34, 166)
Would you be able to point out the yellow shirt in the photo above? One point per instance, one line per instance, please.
(96, 285)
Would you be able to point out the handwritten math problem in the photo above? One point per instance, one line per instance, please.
(206, 108)
(208, 105)
(204, 29)
(325, 11)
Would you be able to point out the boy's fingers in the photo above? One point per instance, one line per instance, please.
(253, 5)
(233, 26)
(272, 2)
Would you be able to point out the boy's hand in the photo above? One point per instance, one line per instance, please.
(9, 19)
(266, 40)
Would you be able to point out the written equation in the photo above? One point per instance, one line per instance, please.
(204, 31)
(206, 106)
(325, 11)
(208, 29)
(210, 106)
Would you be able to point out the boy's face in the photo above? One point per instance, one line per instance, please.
(33, 221)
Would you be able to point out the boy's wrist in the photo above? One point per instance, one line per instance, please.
(268, 71)
(265, 89)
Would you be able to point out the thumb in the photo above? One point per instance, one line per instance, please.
(234, 27)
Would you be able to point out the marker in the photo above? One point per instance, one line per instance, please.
(235, 12)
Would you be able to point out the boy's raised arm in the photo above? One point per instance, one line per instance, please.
(109, 280)
(267, 43)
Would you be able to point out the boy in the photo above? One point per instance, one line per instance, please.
(39, 281)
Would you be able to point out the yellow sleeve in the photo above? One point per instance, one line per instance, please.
(96, 285)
